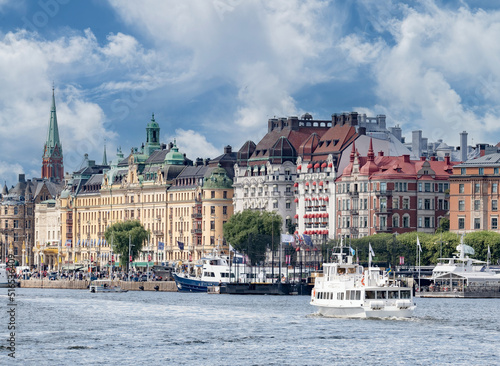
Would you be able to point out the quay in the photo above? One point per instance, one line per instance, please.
(164, 286)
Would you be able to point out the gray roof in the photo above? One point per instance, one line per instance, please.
(486, 160)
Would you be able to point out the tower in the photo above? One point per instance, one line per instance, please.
(153, 136)
(52, 160)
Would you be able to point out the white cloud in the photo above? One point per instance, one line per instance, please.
(25, 96)
(439, 73)
(267, 50)
(194, 145)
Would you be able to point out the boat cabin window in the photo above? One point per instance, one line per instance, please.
(405, 294)
(370, 294)
(341, 271)
(351, 270)
(353, 295)
(209, 274)
(393, 294)
(381, 294)
(340, 296)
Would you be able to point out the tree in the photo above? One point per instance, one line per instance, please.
(444, 225)
(251, 232)
(120, 233)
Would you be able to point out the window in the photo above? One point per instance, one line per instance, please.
(406, 203)
(477, 223)
(419, 203)
(461, 223)
(427, 222)
(16, 224)
(16, 210)
(383, 187)
(494, 205)
(427, 187)
(419, 222)
(462, 171)
(275, 204)
(494, 188)
(495, 170)
(481, 171)
(427, 204)
(395, 221)
(461, 205)
(461, 188)
(406, 221)
(224, 194)
(476, 188)
(395, 203)
(288, 205)
(420, 187)
(212, 210)
(494, 223)
(212, 225)
(224, 210)
(477, 205)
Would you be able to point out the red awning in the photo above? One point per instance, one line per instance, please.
(323, 165)
(296, 216)
(307, 183)
(299, 167)
(296, 200)
(316, 166)
(309, 166)
(321, 183)
(296, 184)
(314, 183)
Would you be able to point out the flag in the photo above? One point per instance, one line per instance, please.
(401, 260)
(231, 249)
(161, 245)
(418, 245)
(68, 242)
(353, 252)
(181, 245)
(288, 257)
(78, 243)
(371, 250)
(286, 238)
(307, 240)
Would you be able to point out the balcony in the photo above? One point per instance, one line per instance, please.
(158, 233)
(197, 215)
(354, 212)
(196, 231)
(383, 229)
(382, 211)
(353, 193)
(383, 193)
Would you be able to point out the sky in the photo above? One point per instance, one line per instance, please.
(214, 71)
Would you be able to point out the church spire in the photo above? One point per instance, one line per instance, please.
(104, 157)
(52, 161)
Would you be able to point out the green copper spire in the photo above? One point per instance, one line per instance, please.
(152, 136)
(53, 133)
(104, 157)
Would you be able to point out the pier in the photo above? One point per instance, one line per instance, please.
(165, 286)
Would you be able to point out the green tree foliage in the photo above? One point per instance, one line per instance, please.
(119, 233)
(389, 247)
(252, 232)
(444, 225)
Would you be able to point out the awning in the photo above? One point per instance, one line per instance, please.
(142, 264)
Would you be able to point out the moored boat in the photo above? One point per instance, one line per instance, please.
(347, 290)
(104, 285)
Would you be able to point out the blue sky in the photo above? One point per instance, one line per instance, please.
(214, 71)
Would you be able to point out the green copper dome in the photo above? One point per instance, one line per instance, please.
(218, 179)
(174, 157)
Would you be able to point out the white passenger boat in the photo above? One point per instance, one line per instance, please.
(104, 285)
(347, 290)
(463, 276)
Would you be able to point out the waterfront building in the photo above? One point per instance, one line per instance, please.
(474, 194)
(392, 194)
(17, 221)
(265, 172)
(322, 158)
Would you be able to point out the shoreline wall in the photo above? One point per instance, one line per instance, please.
(166, 286)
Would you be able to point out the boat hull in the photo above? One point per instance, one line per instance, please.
(185, 284)
(365, 312)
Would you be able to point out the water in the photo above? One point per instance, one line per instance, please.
(72, 327)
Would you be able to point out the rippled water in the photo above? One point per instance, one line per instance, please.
(72, 327)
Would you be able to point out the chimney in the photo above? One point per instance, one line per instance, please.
(463, 145)
(380, 153)
(406, 158)
(227, 149)
(21, 178)
(416, 143)
(422, 158)
(362, 130)
(447, 159)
